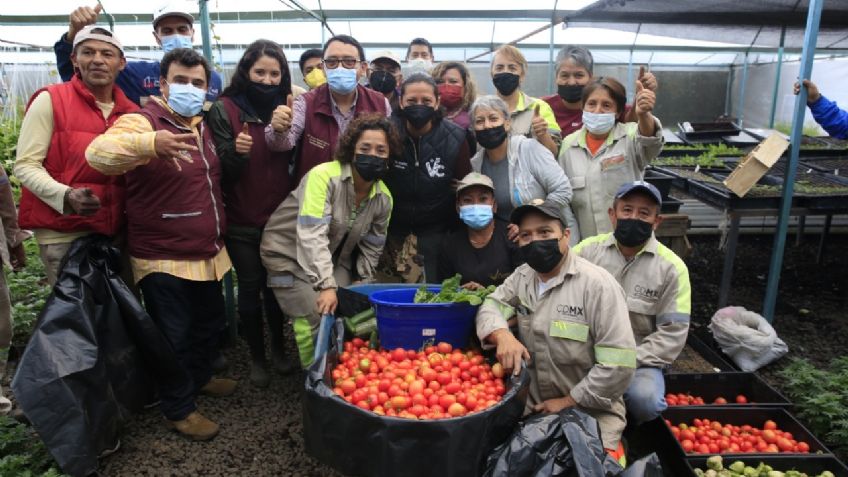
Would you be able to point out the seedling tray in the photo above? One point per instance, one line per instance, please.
(752, 415)
(809, 464)
(727, 385)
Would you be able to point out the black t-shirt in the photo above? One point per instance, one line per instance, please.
(489, 265)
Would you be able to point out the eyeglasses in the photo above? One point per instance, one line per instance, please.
(333, 63)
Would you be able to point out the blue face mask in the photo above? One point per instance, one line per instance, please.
(185, 99)
(172, 42)
(341, 79)
(476, 216)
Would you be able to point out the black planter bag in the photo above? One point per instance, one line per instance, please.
(358, 442)
(91, 358)
(566, 444)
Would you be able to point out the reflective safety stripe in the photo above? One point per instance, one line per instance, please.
(589, 241)
(303, 338)
(566, 329)
(505, 310)
(374, 239)
(632, 129)
(625, 358)
(684, 289)
(307, 220)
(317, 183)
(672, 318)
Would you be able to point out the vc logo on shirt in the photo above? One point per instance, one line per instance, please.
(435, 167)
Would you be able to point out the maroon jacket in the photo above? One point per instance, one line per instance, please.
(176, 215)
(321, 132)
(264, 180)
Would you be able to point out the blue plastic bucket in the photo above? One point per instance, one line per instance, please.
(413, 326)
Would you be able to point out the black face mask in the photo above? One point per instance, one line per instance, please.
(382, 81)
(632, 232)
(506, 83)
(570, 93)
(418, 115)
(491, 138)
(542, 255)
(370, 168)
(264, 98)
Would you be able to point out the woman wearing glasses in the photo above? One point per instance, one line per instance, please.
(315, 121)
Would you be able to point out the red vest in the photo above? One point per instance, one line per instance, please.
(76, 122)
(171, 214)
(264, 181)
(321, 132)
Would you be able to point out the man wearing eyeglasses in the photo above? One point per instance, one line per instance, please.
(314, 121)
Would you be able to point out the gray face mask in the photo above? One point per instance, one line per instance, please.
(598, 123)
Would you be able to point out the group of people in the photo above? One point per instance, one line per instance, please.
(366, 176)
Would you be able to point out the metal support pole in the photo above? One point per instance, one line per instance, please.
(810, 37)
(551, 68)
(729, 257)
(777, 77)
(727, 95)
(828, 220)
(741, 107)
(204, 30)
(630, 91)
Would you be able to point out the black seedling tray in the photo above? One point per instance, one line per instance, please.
(751, 415)
(659, 180)
(701, 340)
(809, 464)
(727, 385)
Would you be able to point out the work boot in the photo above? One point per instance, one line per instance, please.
(219, 387)
(259, 374)
(196, 427)
(282, 364)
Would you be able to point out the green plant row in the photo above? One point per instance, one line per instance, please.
(821, 397)
(22, 454)
(28, 290)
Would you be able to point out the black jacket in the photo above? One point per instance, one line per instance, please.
(421, 181)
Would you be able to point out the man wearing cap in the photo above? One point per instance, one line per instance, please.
(480, 251)
(385, 76)
(315, 120)
(63, 198)
(140, 79)
(656, 282)
(573, 329)
(176, 222)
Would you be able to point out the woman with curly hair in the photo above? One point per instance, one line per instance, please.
(331, 230)
(255, 180)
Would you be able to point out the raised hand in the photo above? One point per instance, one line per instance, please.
(539, 125)
(174, 147)
(813, 93)
(81, 18)
(647, 79)
(645, 100)
(244, 141)
(281, 119)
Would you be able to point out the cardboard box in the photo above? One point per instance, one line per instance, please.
(756, 164)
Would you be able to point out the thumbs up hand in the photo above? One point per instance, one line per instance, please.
(81, 18)
(539, 125)
(648, 80)
(244, 141)
(645, 99)
(282, 117)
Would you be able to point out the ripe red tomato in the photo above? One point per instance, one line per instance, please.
(398, 355)
(456, 409)
(447, 400)
(803, 447)
(741, 399)
(720, 400)
(444, 348)
(688, 445)
(770, 425)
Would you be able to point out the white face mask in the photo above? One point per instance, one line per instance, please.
(598, 123)
(420, 65)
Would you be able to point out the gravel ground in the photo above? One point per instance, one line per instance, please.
(261, 434)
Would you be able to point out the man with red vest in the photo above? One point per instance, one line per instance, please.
(63, 198)
(316, 119)
(175, 221)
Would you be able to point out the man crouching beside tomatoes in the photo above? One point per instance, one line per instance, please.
(573, 327)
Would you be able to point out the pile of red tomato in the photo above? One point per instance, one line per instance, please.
(436, 383)
(681, 399)
(711, 437)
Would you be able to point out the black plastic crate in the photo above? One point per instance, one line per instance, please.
(727, 385)
(701, 340)
(659, 180)
(809, 464)
(751, 415)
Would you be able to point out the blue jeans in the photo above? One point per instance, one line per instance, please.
(645, 397)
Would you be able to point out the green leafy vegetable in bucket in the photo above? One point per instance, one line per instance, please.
(451, 292)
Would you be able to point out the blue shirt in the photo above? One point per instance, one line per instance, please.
(830, 117)
(138, 80)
